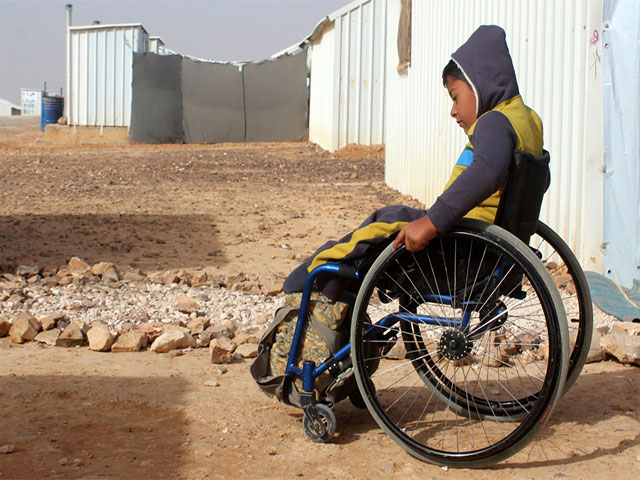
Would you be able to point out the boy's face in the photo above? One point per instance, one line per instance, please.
(464, 102)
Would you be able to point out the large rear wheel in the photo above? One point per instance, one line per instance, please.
(471, 345)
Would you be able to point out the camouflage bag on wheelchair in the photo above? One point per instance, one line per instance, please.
(324, 333)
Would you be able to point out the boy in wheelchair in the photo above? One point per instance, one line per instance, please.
(481, 82)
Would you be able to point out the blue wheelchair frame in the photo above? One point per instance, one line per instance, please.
(310, 371)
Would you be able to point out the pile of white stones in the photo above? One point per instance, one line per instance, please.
(120, 309)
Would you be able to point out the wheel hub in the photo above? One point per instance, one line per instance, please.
(454, 344)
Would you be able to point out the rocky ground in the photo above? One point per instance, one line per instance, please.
(142, 249)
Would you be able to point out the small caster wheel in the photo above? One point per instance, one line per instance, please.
(323, 427)
(355, 397)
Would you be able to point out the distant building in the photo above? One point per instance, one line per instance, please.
(100, 70)
(156, 45)
(8, 108)
(31, 100)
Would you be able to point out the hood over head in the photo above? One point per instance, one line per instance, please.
(486, 62)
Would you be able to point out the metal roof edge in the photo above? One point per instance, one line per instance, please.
(293, 50)
(10, 103)
(111, 25)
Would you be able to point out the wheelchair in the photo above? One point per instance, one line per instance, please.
(460, 352)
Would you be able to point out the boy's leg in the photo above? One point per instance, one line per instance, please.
(374, 232)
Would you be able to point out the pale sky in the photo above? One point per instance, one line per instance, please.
(32, 32)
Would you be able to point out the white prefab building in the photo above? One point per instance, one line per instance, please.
(347, 90)
(100, 76)
(156, 45)
(31, 101)
(7, 108)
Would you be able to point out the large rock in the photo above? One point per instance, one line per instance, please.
(626, 328)
(130, 342)
(110, 275)
(596, 352)
(220, 355)
(28, 271)
(100, 338)
(152, 330)
(25, 328)
(198, 325)
(226, 330)
(78, 265)
(187, 304)
(50, 337)
(626, 348)
(170, 278)
(199, 278)
(50, 320)
(247, 350)
(5, 326)
(215, 331)
(133, 277)
(72, 336)
(99, 268)
(225, 343)
(272, 287)
(244, 337)
(172, 340)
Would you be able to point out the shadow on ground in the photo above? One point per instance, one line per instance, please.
(148, 242)
(90, 426)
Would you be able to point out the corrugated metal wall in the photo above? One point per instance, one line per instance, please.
(556, 52)
(101, 73)
(347, 77)
(325, 82)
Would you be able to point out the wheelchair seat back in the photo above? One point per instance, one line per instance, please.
(527, 182)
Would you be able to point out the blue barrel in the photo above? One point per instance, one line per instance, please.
(52, 110)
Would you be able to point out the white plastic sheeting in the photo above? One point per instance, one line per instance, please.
(621, 59)
(101, 59)
(556, 49)
(348, 76)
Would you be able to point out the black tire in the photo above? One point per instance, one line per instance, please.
(574, 291)
(448, 401)
(328, 420)
(356, 400)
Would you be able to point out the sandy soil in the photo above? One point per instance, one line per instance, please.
(257, 209)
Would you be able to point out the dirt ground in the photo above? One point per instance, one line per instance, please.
(227, 208)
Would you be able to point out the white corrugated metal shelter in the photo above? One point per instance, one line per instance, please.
(556, 49)
(101, 59)
(156, 45)
(348, 58)
(8, 108)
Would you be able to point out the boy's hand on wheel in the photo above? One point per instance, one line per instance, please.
(416, 235)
